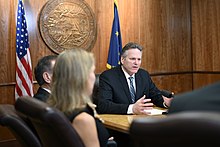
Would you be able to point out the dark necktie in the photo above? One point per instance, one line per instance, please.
(132, 91)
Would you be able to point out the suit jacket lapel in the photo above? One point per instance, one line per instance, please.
(138, 82)
(124, 84)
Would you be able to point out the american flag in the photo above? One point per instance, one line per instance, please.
(24, 79)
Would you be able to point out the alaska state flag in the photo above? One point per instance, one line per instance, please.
(115, 42)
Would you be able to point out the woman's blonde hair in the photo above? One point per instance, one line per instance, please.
(69, 83)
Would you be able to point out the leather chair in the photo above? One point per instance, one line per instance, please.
(96, 90)
(19, 126)
(52, 126)
(180, 129)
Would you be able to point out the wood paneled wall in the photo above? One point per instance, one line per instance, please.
(162, 27)
(205, 41)
(181, 39)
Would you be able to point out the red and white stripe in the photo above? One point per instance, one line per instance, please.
(24, 79)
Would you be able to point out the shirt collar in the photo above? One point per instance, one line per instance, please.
(126, 74)
(48, 90)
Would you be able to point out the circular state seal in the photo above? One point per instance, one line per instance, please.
(67, 24)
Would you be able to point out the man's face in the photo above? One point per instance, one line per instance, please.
(132, 61)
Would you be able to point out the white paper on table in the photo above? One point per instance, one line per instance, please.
(155, 111)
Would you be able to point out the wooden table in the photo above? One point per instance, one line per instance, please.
(122, 123)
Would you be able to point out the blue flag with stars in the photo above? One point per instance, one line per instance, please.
(115, 42)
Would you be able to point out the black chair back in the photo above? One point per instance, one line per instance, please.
(96, 89)
(180, 129)
(19, 126)
(52, 126)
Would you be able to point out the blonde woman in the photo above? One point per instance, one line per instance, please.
(72, 86)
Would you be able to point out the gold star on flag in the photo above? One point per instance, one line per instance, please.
(117, 33)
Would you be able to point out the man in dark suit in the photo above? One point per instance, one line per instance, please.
(203, 99)
(43, 74)
(115, 86)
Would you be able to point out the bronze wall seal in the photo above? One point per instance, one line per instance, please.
(67, 24)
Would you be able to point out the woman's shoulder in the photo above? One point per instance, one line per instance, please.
(84, 119)
(84, 116)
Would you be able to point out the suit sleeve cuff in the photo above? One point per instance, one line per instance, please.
(130, 107)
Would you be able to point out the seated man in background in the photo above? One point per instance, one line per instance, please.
(43, 74)
(202, 99)
(128, 89)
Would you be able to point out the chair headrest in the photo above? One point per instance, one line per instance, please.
(49, 121)
(188, 124)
